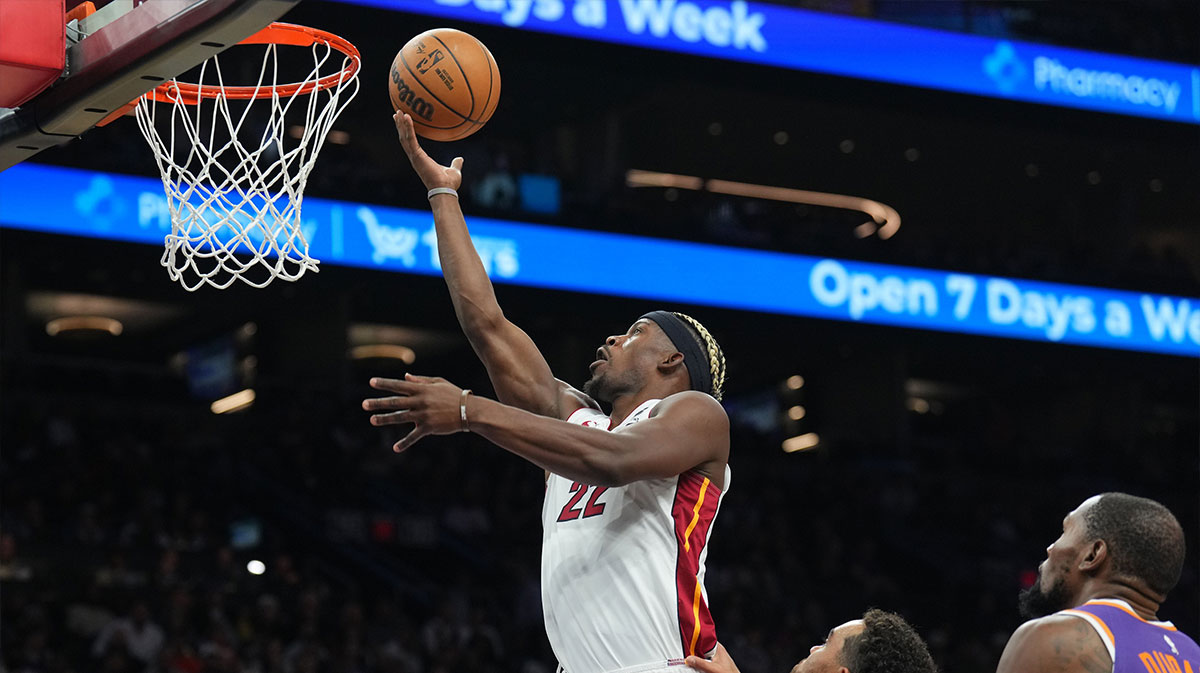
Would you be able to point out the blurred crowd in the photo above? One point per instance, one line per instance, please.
(133, 542)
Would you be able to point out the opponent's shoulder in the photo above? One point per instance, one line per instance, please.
(1058, 643)
(1050, 626)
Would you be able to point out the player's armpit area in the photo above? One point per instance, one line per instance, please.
(1055, 644)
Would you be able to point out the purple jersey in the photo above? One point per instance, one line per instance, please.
(1137, 645)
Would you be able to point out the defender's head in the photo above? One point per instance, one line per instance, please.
(1113, 537)
(666, 349)
(880, 641)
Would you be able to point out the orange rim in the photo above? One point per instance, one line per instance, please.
(276, 33)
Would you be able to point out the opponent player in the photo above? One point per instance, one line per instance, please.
(880, 642)
(1100, 585)
(630, 496)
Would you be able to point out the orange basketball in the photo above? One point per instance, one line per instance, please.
(447, 81)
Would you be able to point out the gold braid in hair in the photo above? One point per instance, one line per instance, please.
(716, 357)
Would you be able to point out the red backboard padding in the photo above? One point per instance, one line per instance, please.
(32, 48)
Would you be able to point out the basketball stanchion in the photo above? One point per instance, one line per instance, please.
(234, 185)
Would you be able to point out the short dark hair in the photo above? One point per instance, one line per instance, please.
(1144, 539)
(887, 644)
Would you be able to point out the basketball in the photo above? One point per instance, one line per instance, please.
(447, 81)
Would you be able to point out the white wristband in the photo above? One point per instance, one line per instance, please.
(441, 190)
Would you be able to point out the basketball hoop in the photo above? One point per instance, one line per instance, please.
(233, 189)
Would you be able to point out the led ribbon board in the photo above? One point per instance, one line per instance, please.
(851, 47)
(85, 203)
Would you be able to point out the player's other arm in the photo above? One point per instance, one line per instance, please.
(1055, 644)
(516, 367)
(686, 431)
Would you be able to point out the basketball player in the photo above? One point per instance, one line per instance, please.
(880, 642)
(630, 496)
(1093, 605)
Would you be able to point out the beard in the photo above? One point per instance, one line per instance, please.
(1034, 603)
(595, 389)
(604, 387)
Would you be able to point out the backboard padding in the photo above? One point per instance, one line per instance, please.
(155, 41)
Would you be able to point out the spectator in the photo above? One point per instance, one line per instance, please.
(134, 635)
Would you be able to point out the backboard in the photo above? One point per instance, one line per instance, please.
(120, 52)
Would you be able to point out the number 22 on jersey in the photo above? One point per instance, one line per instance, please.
(594, 507)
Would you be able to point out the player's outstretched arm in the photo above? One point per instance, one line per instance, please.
(721, 662)
(516, 367)
(685, 431)
(1055, 644)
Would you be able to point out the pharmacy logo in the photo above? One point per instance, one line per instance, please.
(1049, 76)
(1003, 66)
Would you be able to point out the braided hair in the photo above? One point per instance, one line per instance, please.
(716, 356)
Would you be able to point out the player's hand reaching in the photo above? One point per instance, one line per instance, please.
(431, 172)
(721, 662)
(432, 405)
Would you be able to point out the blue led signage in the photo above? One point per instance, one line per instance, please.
(847, 46)
(84, 203)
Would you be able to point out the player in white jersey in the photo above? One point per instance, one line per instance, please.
(630, 495)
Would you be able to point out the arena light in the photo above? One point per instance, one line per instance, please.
(884, 215)
(885, 220)
(84, 323)
(865, 229)
(256, 567)
(385, 351)
(808, 440)
(639, 178)
(795, 382)
(918, 404)
(235, 402)
(797, 412)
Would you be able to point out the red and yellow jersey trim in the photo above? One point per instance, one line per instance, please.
(693, 512)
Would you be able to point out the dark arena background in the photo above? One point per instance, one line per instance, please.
(936, 466)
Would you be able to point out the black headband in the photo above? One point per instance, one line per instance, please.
(694, 359)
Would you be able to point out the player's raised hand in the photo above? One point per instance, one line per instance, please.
(721, 662)
(432, 405)
(431, 172)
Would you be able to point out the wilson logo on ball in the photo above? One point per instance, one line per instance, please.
(405, 94)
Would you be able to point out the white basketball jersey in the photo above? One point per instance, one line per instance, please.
(623, 567)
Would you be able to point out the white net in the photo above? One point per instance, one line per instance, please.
(234, 170)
